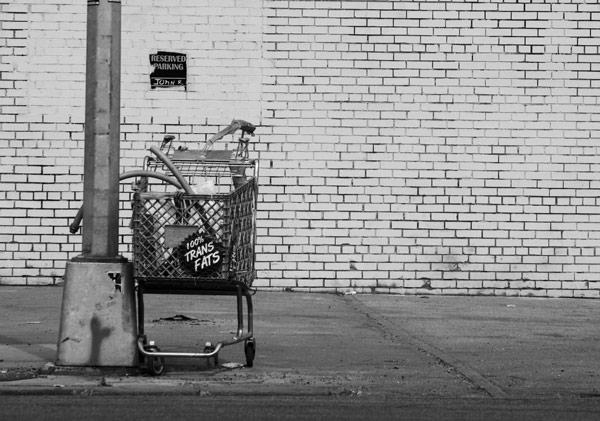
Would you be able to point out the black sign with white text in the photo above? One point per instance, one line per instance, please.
(201, 254)
(169, 70)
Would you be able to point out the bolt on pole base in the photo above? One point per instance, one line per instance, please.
(98, 326)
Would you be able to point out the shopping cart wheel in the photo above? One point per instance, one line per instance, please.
(208, 348)
(142, 357)
(250, 350)
(155, 365)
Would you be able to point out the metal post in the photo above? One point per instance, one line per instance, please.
(100, 233)
(98, 325)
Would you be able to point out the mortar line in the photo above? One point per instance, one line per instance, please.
(398, 333)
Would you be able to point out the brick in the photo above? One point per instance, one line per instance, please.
(345, 97)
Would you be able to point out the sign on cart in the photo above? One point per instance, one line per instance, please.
(201, 253)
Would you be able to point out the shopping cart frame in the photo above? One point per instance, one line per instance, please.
(153, 353)
(227, 282)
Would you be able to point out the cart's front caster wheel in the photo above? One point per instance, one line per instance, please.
(250, 350)
(208, 348)
(155, 365)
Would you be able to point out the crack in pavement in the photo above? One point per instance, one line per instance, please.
(397, 334)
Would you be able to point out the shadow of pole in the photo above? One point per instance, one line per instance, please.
(99, 334)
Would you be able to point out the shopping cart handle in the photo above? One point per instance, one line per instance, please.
(232, 128)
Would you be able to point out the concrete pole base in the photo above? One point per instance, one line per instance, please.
(98, 324)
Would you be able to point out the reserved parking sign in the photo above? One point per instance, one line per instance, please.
(169, 70)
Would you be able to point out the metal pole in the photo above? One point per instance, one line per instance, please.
(100, 234)
(98, 325)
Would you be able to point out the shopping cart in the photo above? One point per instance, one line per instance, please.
(196, 241)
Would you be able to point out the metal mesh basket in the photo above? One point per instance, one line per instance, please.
(165, 224)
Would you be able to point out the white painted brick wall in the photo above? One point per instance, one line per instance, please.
(406, 146)
(463, 136)
(42, 65)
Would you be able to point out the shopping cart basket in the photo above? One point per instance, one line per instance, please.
(198, 244)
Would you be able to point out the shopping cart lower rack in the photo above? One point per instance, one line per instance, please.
(198, 244)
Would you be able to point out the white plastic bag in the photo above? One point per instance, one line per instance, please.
(206, 186)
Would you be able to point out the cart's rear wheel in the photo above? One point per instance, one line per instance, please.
(156, 365)
(144, 345)
(250, 350)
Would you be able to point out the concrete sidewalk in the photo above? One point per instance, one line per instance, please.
(328, 345)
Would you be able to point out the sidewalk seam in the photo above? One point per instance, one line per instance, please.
(396, 332)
